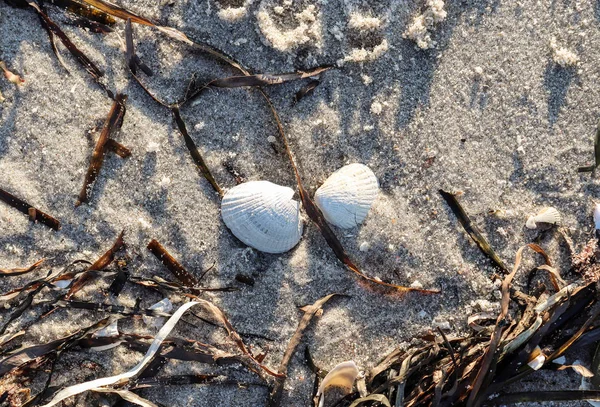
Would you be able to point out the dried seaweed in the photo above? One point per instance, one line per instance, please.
(87, 12)
(191, 146)
(19, 271)
(472, 230)
(309, 313)
(592, 168)
(98, 265)
(306, 90)
(83, 60)
(117, 148)
(133, 61)
(265, 79)
(115, 115)
(173, 265)
(34, 214)
(23, 356)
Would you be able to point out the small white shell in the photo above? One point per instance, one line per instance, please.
(342, 375)
(546, 215)
(597, 216)
(345, 198)
(263, 215)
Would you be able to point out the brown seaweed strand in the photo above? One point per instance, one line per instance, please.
(309, 313)
(196, 156)
(98, 265)
(490, 356)
(172, 264)
(34, 214)
(472, 230)
(114, 116)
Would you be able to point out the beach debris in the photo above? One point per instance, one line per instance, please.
(98, 265)
(342, 376)
(100, 383)
(421, 26)
(472, 230)
(537, 359)
(244, 279)
(133, 61)
(263, 215)
(346, 197)
(364, 246)
(35, 215)
(14, 78)
(563, 56)
(309, 313)
(194, 152)
(111, 330)
(19, 271)
(54, 30)
(592, 168)
(548, 215)
(173, 265)
(111, 124)
(306, 90)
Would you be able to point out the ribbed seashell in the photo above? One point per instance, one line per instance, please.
(546, 215)
(345, 198)
(263, 215)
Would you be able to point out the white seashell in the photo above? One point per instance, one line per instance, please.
(345, 198)
(263, 215)
(546, 215)
(165, 305)
(108, 331)
(342, 376)
(537, 362)
(597, 216)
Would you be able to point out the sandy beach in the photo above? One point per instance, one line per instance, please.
(501, 107)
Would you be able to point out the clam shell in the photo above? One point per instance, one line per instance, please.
(546, 215)
(345, 198)
(263, 215)
(341, 376)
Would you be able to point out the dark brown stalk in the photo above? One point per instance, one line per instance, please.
(196, 156)
(83, 60)
(114, 117)
(19, 271)
(472, 230)
(34, 214)
(117, 148)
(173, 265)
(309, 313)
(98, 265)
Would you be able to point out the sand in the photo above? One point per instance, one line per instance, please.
(487, 111)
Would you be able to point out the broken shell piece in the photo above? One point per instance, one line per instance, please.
(345, 198)
(263, 215)
(546, 215)
(538, 361)
(341, 376)
(108, 331)
(597, 216)
(165, 305)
